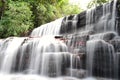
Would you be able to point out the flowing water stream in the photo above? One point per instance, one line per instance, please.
(89, 54)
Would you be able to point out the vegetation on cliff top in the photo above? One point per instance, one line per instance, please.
(18, 17)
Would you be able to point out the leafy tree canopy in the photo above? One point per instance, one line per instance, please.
(17, 17)
(94, 3)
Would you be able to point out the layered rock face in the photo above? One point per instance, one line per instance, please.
(81, 45)
(100, 48)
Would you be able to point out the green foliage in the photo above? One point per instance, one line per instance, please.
(16, 19)
(20, 16)
(70, 9)
(96, 3)
(48, 10)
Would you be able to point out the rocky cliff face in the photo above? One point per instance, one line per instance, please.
(100, 48)
(78, 22)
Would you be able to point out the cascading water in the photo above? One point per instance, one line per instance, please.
(103, 23)
(114, 26)
(101, 56)
(34, 56)
(89, 19)
(90, 51)
(106, 15)
(8, 56)
(51, 28)
(42, 55)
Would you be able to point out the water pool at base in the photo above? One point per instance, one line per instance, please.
(37, 77)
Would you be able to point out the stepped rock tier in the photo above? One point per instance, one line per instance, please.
(82, 46)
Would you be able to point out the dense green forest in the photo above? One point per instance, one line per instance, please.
(19, 17)
(94, 3)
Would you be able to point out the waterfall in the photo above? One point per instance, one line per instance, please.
(113, 16)
(102, 21)
(52, 28)
(101, 55)
(69, 24)
(89, 19)
(81, 46)
(9, 55)
(42, 56)
(100, 58)
(52, 63)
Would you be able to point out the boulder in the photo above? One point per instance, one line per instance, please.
(116, 44)
(107, 36)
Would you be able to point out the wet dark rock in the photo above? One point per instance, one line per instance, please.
(69, 24)
(116, 44)
(104, 36)
(103, 59)
(58, 37)
(117, 69)
(81, 20)
(118, 17)
(82, 60)
(97, 21)
(22, 60)
(78, 42)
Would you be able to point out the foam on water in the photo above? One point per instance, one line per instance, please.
(37, 77)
